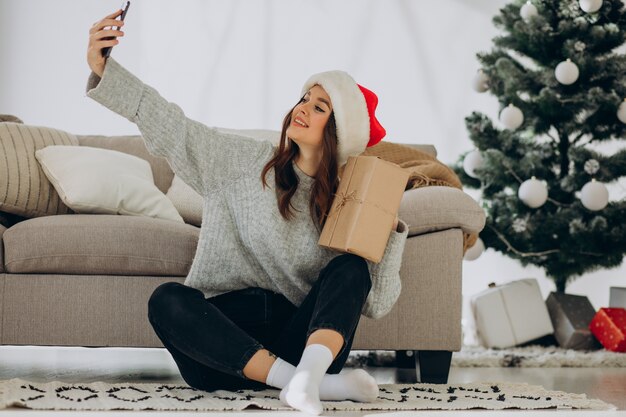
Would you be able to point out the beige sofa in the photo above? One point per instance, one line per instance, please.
(84, 280)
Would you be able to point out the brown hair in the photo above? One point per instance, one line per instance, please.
(326, 179)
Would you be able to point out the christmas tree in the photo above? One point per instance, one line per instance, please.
(561, 86)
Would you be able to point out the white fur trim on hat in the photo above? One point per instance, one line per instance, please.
(350, 109)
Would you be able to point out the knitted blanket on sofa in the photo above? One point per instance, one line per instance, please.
(424, 170)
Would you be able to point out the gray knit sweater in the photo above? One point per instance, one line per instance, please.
(244, 241)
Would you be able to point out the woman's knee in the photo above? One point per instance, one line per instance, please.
(353, 269)
(165, 297)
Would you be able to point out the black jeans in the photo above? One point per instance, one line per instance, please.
(212, 339)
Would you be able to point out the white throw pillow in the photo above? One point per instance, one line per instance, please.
(186, 200)
(103, 181)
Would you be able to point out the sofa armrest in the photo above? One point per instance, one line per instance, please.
(2, 229)
(429, 209)
(427, 316)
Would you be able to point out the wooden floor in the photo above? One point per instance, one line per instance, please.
(67, 364)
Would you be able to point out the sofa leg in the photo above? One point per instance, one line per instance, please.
(434, 366)
(406, 361)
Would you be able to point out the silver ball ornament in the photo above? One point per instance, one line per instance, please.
(480, 83)
(533, 193)
(594, 195)
(511, 117)
(528, 11)
(566, 72)
(471, 162)
(475, 251)
(621, 112)
(590, 6)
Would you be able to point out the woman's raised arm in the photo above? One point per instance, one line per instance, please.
(203, 157)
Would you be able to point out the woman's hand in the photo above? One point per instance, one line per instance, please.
(395, 224)
(96, 42)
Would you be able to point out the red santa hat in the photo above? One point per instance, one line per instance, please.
(354, 108)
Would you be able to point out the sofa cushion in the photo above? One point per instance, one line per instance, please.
(100, 244)
(103, 181)
(24, 188)
(434, 208)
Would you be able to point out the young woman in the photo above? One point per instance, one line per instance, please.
(263, 303)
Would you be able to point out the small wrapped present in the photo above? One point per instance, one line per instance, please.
(617, 297)
(511, 314)
(571, 315)
(609, 327)
(364, 208)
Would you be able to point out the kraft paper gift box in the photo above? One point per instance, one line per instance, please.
(617, 297)
(571, 316)
(609, 327)
(511, 314)
(364, 208)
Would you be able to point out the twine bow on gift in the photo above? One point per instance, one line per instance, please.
(345, 198)
(351, 196)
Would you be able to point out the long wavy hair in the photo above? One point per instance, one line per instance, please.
(326, 177)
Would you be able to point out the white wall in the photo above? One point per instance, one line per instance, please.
(241, 64)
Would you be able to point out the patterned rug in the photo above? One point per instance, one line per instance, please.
(125, 396)
(518, 357)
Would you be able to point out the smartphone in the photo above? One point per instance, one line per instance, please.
(107, 51)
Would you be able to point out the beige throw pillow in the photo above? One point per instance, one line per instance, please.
(24, 188)
(102, 181)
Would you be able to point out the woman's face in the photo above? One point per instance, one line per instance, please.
(309, 118)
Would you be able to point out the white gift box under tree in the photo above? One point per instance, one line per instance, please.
(511, 314)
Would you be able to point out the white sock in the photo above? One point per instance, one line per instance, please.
(355, 385)
(302, 391)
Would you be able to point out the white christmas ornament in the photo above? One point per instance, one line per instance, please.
(528, 11)
(471, 162)
(475, 251)
(594, 195)
(533, 193)
(566, 72)
(511, 117)
(590, 6)
(480, 82)
(621, 112)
